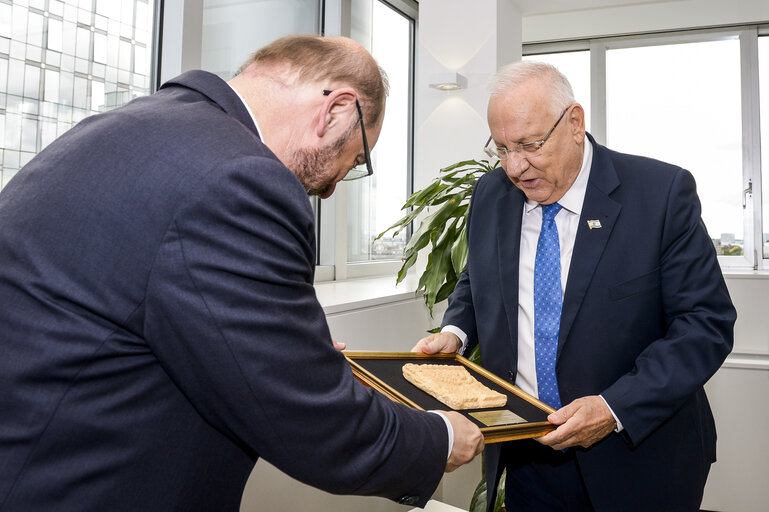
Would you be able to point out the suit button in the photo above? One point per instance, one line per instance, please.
(409, 500)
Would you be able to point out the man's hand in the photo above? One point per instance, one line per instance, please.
(583, 423)
(339, 345)
(441, 342)
(468, 440)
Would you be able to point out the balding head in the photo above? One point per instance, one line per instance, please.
(332, 62)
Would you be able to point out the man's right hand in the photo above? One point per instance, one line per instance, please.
(441, 342)
(468, 440)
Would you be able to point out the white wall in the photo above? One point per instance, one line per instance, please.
(641, 17)
(459, 36)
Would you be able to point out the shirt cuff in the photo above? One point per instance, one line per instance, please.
(449, 428)
(619, 427)
(460, 334)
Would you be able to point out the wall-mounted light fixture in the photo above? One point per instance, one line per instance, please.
(447, 81)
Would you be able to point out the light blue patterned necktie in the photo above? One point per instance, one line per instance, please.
(547, 305)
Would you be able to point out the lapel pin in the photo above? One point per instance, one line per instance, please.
(594, 224)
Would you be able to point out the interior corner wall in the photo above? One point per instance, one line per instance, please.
(458, 36)
(473, 39)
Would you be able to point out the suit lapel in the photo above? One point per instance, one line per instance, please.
(590, 243)
(509, 213)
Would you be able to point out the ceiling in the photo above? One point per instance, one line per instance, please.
(530, 7)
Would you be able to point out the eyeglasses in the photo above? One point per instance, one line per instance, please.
(358, 171)
(527, 148)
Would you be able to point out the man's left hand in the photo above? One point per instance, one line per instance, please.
(583, 423)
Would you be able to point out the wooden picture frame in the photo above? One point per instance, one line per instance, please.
(522, 417)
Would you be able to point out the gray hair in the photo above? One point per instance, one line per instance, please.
(513, 75)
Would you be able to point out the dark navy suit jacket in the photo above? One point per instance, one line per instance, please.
(646, 321)
(159, 329)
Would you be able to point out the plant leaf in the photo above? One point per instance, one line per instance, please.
(420, 197)
(459, 251)
(407, 264)
(434, 221)
(403, 222)
(478, 501)
(463, 163)
(445, 291)
(444, 229)
(475, 355)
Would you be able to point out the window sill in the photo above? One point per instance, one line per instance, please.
(734, 273)
(747, 361)
(353, 294)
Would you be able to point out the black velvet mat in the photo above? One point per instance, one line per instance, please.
(390, 371)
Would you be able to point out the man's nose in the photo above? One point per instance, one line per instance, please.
(516, 164)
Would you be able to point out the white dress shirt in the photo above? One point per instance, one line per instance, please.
(258, 131)
(567, 222)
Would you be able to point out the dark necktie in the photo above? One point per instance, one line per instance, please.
(547, 305)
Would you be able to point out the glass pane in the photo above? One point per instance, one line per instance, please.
(51, 93)
(681, 104)
(31, 82)
(234, 30)
(54, 34)
(6, 15)
(100, 48)
(42, 103)
(35, 29)
(576, 67)
(375, 203)
(83, 43)
(763, 82)
(125, 56)
(29, 135)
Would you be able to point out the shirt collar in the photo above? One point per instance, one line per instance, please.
(573, 199)
(251, 113)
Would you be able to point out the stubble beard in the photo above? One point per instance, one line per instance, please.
(315, 167)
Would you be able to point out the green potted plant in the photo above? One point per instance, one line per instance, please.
(444, 230)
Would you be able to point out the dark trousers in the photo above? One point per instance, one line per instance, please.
(542, 479)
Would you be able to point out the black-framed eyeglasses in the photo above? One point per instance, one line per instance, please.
(358, 171)
(526, 148)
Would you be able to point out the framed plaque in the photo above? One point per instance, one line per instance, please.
(522, 417)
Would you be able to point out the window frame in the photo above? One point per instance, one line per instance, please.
(332, 264)
(750, 112)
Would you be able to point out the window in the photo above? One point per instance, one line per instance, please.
(763, 60)
(347, 222)
(232, 31)
(691, 118)
(360, 210)
(576, 66)
(691, 99)
(374, 204)
(56, 68)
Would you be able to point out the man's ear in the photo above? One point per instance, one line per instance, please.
(576, 120)
(336, 110)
